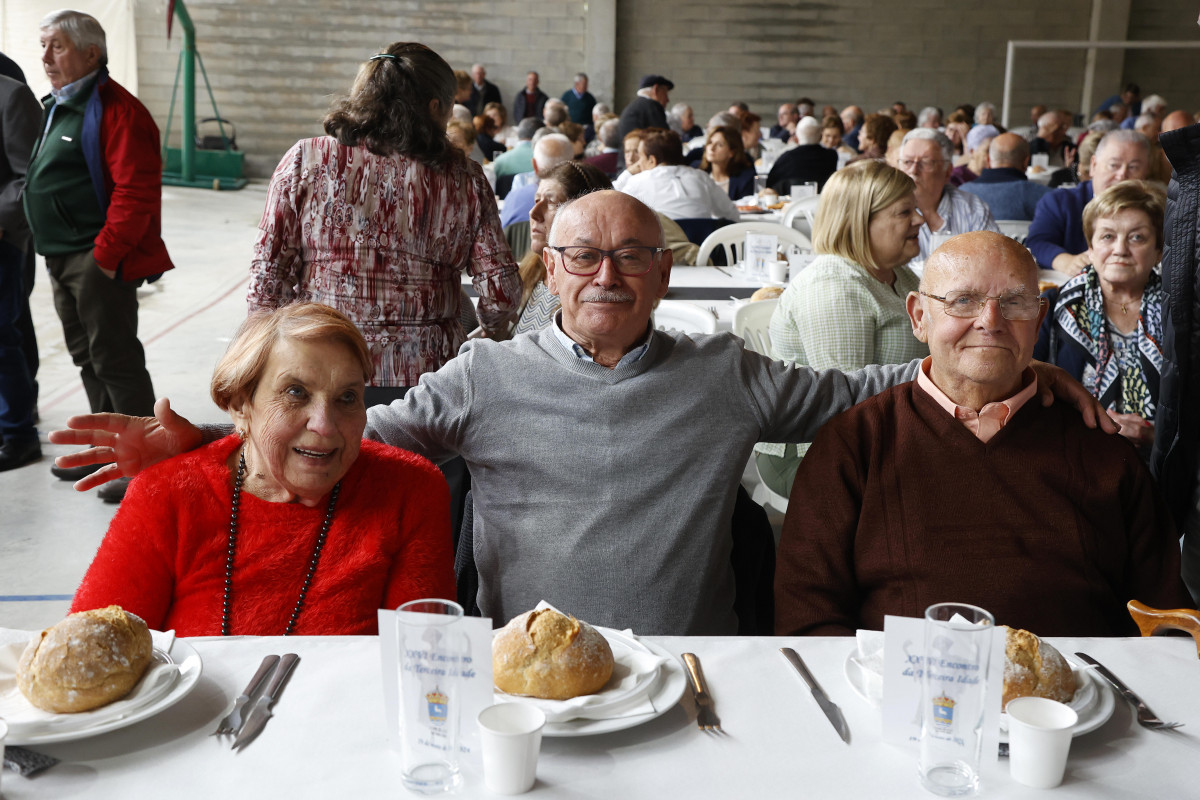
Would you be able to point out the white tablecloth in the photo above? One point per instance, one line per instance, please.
(327, 739)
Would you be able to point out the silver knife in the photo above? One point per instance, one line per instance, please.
(261, 711)
(828, 706)
(232, 723)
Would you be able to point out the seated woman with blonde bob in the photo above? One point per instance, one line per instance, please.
(292, 525)
(847, 309)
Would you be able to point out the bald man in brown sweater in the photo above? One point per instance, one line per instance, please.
(961, 486)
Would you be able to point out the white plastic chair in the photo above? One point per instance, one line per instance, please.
(752, 322)
(804, 212)
(733, 238)
(1014, 228)
(685, 317)
(764, 495)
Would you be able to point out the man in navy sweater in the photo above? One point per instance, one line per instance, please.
(1056, 233)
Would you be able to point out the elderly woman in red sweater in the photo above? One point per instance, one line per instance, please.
(293, 524)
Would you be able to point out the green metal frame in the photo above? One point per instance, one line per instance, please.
(186, 166)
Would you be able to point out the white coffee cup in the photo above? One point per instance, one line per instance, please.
(777, 271)
(511, 737)
(1039, 738)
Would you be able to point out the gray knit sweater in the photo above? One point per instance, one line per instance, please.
(609, 492)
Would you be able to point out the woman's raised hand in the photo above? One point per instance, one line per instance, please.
(126, 444)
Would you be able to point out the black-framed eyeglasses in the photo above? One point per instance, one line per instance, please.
(630, 261)
(1013, 305)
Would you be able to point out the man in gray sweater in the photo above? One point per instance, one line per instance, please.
(605, 455)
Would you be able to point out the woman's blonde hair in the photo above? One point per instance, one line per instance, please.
(238, 372)
(1141, 196)
(850, 198)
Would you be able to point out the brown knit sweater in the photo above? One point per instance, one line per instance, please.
(1051, 526)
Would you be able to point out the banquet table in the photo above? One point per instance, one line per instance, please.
(327, 738)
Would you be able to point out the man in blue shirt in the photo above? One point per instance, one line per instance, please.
(1002, 185)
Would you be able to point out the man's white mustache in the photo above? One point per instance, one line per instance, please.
(607, 296)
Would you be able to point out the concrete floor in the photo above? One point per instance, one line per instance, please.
(48, 531)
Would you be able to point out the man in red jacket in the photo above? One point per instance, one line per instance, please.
(93, 198)
(961, 486)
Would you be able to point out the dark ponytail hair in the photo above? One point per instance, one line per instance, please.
(388, 108)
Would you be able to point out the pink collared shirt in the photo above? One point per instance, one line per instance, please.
(988, 421)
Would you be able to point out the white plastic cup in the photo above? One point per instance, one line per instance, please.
(777, 271)
(511, 737)
(1039, 738)
(1039, 160)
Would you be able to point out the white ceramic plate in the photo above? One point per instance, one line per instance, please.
(664, 695)
(71, 727)
(1092, 702)
(666, 688)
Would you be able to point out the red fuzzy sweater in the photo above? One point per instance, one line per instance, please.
(1051, 526)
(164, 555)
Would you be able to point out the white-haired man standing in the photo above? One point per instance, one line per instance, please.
(579, 100)
(649, 108)
(483, 91)
(93, 197)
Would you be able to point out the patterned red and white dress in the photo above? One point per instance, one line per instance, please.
(384, 240)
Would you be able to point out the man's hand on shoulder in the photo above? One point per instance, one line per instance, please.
(127, 444)
(1070, 265)
(1057, 382)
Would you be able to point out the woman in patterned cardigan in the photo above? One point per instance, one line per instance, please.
(380, 218)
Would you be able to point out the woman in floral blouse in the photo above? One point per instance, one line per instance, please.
(380, 218)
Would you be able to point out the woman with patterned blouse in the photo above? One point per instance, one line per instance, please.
(380, 218)
(1105, 324)
(846, 309)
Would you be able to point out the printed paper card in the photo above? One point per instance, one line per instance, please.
(903, 667)
(418, 671)
(760, 248)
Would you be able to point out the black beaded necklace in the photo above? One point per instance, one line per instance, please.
(227, 598)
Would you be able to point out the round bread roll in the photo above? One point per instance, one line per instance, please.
(550, 655)
(1033, 668)
(86, 661)
(766, 293)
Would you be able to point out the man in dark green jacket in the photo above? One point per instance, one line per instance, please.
(93, 198)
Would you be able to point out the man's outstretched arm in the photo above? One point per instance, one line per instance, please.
(126, 444)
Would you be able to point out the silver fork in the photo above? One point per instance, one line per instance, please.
(1145, 717)
(706, 719)
(233, 720)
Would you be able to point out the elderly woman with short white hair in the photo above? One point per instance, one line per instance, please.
(291, 525)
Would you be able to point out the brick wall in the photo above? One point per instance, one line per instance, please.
(869, 52)
(1174, 74)
(276, 64)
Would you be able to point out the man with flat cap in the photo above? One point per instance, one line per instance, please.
(649, 108)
